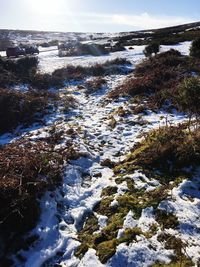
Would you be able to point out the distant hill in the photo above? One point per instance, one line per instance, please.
(165, 36)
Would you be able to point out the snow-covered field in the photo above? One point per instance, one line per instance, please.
(64, 211)
(49, 61)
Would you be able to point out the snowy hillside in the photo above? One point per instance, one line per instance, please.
(104, 212)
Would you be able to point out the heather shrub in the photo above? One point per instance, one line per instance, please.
(157, 79)
(152, 82)
(188, 96)
(17, 71)
(71, 72)
(27, 171)
(195, 48)
(22, 66)
(95, 84)
(22, 108)
(150, 49)
(169, 59)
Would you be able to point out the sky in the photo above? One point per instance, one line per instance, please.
(96, 15)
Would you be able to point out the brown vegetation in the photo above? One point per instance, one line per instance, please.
(95, 84)
(168, 149)
(22, 108)
(157, 79)
(27, 170)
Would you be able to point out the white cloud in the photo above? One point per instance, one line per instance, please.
(141, 21)
(146, 21)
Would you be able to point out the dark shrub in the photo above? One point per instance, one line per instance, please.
(80, 49)
(157, 79)
(150, 49)
(18, 108)
(18, 71)
(117, 47)
(188, 96)
(5, 43)
(93, 49)
(95, 84)
(27, 170)
(22, 66)
(195, 48)
(153, 81)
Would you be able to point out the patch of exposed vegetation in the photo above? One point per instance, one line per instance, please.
(27, 171)
(168, 149)
(110, 190)
(158, 80)
(180, 257)
(24, 70)
(166, 220)
(23, 108)
(105, 241)
(95, 84)
(135, 200)
(152, 48)
(195, 48)
(17, 71)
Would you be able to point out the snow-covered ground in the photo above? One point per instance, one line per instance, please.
(49, 61)
(64, 211)
(184, 48)
(58, 226)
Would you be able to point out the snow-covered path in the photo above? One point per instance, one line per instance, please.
(99, 133)
(64, 211)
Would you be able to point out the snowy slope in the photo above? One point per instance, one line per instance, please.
(64, 211)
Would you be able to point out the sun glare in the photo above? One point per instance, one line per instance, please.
(47, 7)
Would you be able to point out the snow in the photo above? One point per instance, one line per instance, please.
(147, 219)
(50, 61)
(65, 210)
(137, 255)
(185, 204)
(129, 222)
(142, 182)
(102, 221)
(183, 47)
(90, 260)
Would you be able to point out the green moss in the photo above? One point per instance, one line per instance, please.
(82, 249)
(139, 199)
(90, 226)
(167, 150)
(173, 243)
(110, 190)
(130, 234)
(166, 220)
(104, 208)
(115, 222)
(106, 250)
(183, 262)
(128, 180)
